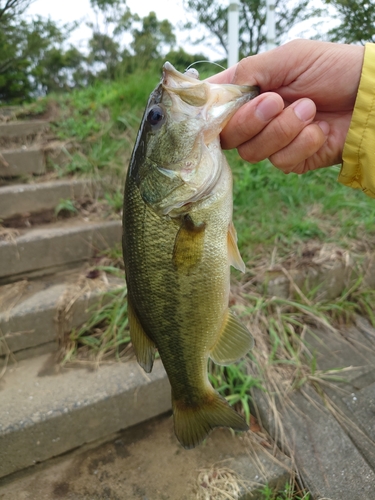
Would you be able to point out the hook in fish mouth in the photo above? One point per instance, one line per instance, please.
(216, 100)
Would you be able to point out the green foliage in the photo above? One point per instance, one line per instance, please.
(357, 21)
(32, 60)
(152, 37)
(105, 50)
(103, 120)
(106, 333)
(288, 493)
(233, 383)
(113, 19)
(105, 5)
(86, 112)
(181, 60)
(213, 16)
(115, 200)
(273, 208)
(12, 8)
(65, 206)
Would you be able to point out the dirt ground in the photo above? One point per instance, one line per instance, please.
(144, 462)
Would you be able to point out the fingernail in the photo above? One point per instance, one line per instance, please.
(305, 110)
(268, 108)
(325, 127)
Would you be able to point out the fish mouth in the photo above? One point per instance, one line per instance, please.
(216, 103)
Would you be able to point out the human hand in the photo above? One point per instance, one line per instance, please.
(301, 120)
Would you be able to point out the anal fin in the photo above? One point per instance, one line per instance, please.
(233, 343)
(144, 347)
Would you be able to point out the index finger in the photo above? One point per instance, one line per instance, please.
(268, 70)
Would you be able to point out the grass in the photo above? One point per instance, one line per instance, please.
(271, 208)
(277, 218)
(235, 385)
(105, 335)
(291, 491)
(66, 205)
(98, 126)
(222, 483)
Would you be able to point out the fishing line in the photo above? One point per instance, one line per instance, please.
(209, 62)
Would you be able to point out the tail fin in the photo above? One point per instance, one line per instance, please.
(193, 424)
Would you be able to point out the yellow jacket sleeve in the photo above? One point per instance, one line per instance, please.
(358, 167)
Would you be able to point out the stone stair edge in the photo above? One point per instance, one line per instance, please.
(34, 314)
(17, 162)
(55, 246)
(45, 418)
(22, 128)
(18, 199)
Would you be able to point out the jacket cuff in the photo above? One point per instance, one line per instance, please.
(358, 167)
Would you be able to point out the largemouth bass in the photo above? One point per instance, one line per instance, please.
(178, 245)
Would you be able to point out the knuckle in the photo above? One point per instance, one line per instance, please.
(283, 162)
(249, 154)
(312, 135)
(286, 129)
(284, 167)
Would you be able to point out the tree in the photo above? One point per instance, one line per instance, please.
(212, 14)
(113, 19)
(35, 58)
(32, 58)
(153, 38)
(182, 59)
(106, 51)
(10, 9)
(357, 21)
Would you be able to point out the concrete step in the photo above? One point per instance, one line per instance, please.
(7, 112)
(361, 403)
(46, 411)
(26, 160)
(329, 463)
(22, 129)
(30, 198)
(353, 398)
(146, 462)
(332, 451)
(35, 314)
(47, 249)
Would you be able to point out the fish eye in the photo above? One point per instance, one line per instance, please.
(155, 116)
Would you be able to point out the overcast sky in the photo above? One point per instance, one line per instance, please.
(73, 10)
(70, 10)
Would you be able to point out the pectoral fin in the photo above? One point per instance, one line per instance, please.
(234, 256)
(189, 243)
(234, 341)
(144, 347)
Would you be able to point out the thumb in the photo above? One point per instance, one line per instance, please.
(269, 70)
